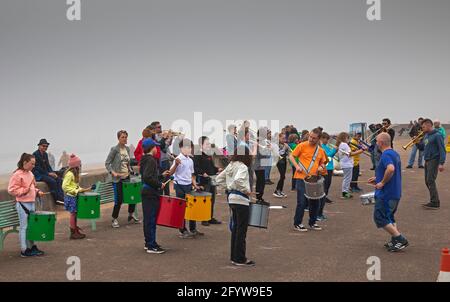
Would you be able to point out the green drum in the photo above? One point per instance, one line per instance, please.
(41, 226)
(88, 205)
(132, 191)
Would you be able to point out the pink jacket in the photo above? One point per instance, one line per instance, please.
(22, 185)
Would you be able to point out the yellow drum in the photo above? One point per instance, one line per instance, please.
(198, 206)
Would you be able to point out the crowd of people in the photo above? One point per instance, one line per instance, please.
(162, 156)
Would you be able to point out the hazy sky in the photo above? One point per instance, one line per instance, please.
(127, 63)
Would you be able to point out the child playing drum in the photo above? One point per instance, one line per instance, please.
(235, 178)
(22, 186)
(151, 192)
(184, 178)
(71, 188)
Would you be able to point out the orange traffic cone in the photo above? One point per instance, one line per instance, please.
(444, 274)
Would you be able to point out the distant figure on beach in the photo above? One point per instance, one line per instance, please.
(52, 161)
(44, 172)
(64, 160)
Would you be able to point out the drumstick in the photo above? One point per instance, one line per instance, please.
(165, 183)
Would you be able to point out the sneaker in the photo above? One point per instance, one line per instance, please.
(397, 245)
(215, 221)
(409, 167)
(346, 195)
(263, 202)
(205, 223)
(430, 206)
(248, 263)
(196, 233)
(133, 218)
(322, 218)
(115, 223)
(36, 252)
(156, 250)
(328, 200)
(59, 202)
(283, 194)
(269, 182)
(421, 167)
(186, 235)
(27, 253)
(277, 194)
(315, 227)
(389, 244)
(300, 228)
(357, 190)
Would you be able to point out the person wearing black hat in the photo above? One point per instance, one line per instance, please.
(44, 172)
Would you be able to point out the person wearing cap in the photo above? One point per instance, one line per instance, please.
(118, 165)
(44, 172)
(152, 187)
(71, 187)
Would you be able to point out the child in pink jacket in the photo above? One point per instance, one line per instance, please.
(22, 186)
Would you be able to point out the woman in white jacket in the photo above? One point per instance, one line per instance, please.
(235, 178)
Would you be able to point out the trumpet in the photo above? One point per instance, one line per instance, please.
(416, 139)
(173, 133)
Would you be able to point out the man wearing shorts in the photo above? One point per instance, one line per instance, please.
(388, 185)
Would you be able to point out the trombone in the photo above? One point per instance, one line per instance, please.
(370, 137)
(361, 148)
(416, 139)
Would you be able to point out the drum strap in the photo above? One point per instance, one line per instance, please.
(25, 209)
(312, 161)
(237, 193)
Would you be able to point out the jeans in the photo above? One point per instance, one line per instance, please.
(412, 156)
(150, 208)
(348, 174)
(355, 177)
(240, 214)
(268, 169)
(294, 181)
(302, 204)
(181, 191)
(260, 183)
(118, 200)
(281, 165)
(431, 174)
(55, 186)
(23, 221)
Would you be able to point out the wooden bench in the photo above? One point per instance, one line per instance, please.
(9, 220)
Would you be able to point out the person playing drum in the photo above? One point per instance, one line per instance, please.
(235, 178)
(22, 186)
(311, 161)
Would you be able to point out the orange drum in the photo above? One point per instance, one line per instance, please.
(171, 212)
(198, 206)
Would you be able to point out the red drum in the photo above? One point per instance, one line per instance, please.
(171, 212)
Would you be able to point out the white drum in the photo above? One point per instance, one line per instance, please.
(259, 215)
(368, 198)
(314, 187)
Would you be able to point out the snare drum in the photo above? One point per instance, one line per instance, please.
(198, 206)
(41, 226)
(259, 215)
(88, 205)
(368, 198)
(314, 187)
(132, 191)
(171, 212)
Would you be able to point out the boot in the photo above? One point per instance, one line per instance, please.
(79, 232)
(74, 234)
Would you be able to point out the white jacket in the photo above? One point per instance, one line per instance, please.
(235, 177)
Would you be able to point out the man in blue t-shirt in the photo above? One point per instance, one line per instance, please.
(388, 185)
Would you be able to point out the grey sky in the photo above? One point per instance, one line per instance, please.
(127, 63)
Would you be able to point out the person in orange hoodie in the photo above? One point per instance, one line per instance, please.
(22, 185)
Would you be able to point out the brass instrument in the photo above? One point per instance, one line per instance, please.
(361, 148)
(416, 139)
(370, 137)
(173, 133)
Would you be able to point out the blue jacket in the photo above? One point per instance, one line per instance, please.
(330, 152)
(42, 167)
(434, 147)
